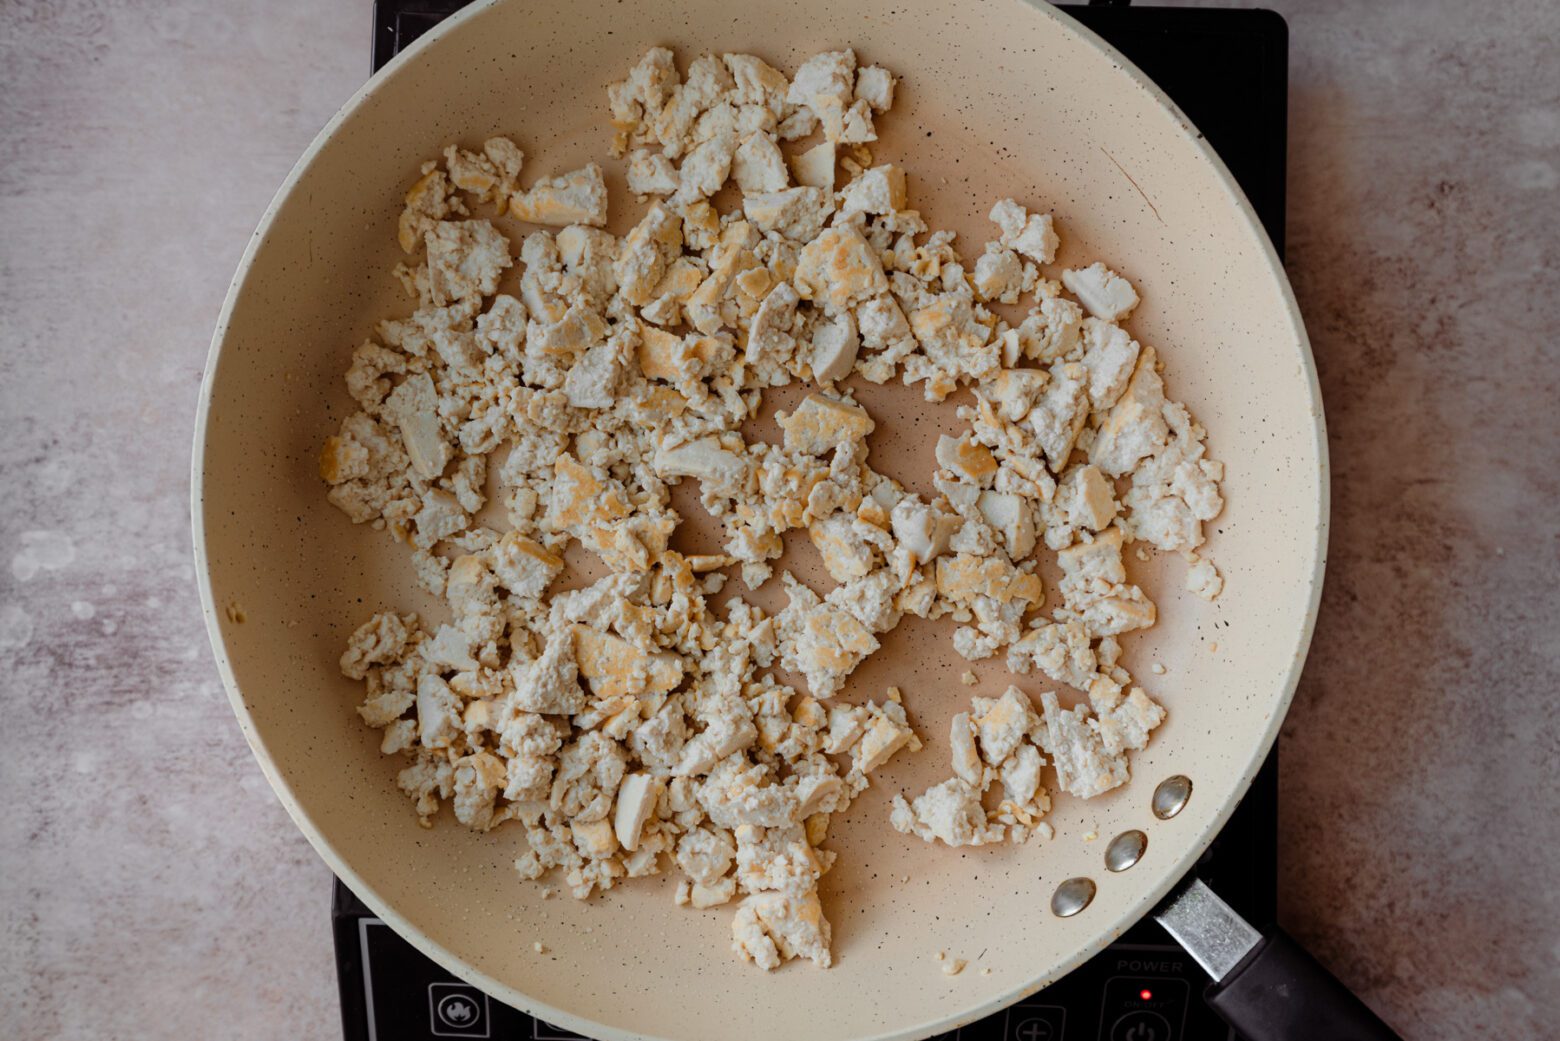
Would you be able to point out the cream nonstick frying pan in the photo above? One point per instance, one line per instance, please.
(998, 98)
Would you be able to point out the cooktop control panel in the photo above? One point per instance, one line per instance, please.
(1131, 992)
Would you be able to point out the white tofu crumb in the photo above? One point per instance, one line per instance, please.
(577, 197)
(1102, 292)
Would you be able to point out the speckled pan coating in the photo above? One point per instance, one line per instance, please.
(998, 98)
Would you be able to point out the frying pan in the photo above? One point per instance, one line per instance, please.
(1000, 98)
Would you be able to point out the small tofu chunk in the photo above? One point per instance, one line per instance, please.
(888, 730)
(523, 567)
(774, 926)
(758, 166)
(614, 667)
(966, 459)
(838, 269)
(1033, 235)
(1002, 723)
(1015, 392)
(875, 86)
(1059, 415)
(577, 197)
(1083, 767)
(999, 275)
(835, 345)
(636, 801)
(720, 469)
(438, 713)
(880, 190)
(1110, 356)
(1135, 426)
(550, 684)
(465, 260)
(1102, 292)
(795, 213)
(1060, 650)
(922, 529)
(845, 552)
(646, 253)
(414, 406)
(1012, 518)
(966, 758)
(822, 423)
(950, 812)
(815, 167)
(651, 173)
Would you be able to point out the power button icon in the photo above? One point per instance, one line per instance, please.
(1141, 1025)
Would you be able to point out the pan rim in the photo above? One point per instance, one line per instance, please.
(447, 959)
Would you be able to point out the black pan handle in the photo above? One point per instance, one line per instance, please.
(1266, 986)
(1279, 992)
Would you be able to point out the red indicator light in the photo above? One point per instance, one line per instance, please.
(1146, 994)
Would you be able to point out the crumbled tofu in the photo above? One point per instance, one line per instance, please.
(772, 927)
(1060, 412)
(1033, 235)
(1083, 767)
(1135, 426)
(794, 213)
(413, 405)
(999, 275)
(923, 530)
(1061, 650)
(465, 260)
(839, 268)
(651, 173)
(887, 731)
(1009, 516)
(647, 252)
(603, 701)
(1094, 586)
(1202, 578)
(949, 812)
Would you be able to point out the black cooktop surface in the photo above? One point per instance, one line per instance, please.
(1228, 71)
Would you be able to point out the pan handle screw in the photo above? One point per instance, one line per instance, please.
(1125, 850)
(1072, 896)
(1171, 796)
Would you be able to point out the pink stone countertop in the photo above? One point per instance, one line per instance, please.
(150, 886)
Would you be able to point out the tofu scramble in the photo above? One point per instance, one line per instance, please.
(631, 726)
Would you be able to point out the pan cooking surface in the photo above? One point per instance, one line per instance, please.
(643, 966)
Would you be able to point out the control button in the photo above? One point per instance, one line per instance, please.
(1141, 1025)
(458, 1010)
(1036, 1023)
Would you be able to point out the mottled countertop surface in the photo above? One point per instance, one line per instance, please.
(150, 886)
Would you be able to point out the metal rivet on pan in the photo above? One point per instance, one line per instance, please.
(1171, 795)
(1125, 850)
(1072, 896)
